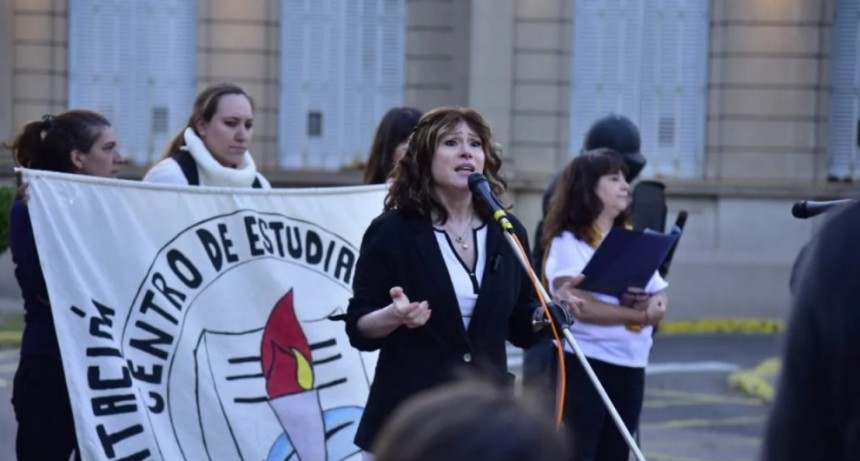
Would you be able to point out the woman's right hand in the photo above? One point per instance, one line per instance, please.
(654, 308)
(410, 314)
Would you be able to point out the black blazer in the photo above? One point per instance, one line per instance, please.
(401, 250)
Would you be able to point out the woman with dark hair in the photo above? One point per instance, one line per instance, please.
(614, 334)
(212, 149)
(435, 251)
(389, 144)
(77, 141)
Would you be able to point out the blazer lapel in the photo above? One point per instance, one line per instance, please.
(490, 279)
(437, 275)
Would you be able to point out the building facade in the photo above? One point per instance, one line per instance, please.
(745, 106)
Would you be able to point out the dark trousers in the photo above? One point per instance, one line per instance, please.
(46, 430)
(593, 431)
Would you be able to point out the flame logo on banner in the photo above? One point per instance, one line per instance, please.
(285, 352)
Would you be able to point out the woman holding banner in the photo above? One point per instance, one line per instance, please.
(76, 141)
(212, 149)
(614, 334)
(436, 287)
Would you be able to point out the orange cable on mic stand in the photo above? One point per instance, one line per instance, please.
(559, 411)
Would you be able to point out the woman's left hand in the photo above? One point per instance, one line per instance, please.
(634, 297)
(564, 295)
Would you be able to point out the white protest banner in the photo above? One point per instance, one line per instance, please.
(193, 321)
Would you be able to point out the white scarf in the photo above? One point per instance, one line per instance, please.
(213, 173)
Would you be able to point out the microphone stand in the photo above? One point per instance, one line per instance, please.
(562, 319)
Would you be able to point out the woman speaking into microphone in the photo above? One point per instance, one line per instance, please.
(436, 286)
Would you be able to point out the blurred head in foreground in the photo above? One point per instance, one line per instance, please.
(470, 420)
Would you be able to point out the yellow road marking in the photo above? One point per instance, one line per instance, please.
(691, 423)
(739, 325)
(700, 397)
(757, 382)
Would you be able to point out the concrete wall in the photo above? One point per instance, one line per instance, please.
(766, 119)
(7, 31)
(437, 50)
(239, 42)
(769, 81)
(39, 83)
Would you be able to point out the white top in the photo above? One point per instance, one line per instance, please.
(210, 171)
(466, 283)
(609, 343)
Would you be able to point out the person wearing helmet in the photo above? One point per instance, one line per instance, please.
(613, 131)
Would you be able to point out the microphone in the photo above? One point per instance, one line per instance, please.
(480, 187)
(808, 208)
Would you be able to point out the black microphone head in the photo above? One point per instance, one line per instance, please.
(798, 210)
(475, 179)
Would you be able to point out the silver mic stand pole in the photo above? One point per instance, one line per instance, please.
(563, 321)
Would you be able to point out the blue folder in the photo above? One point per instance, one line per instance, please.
(626, 258)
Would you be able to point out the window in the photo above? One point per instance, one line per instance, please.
(647, 61)
(342, 60)
(134, 62)
(843, 143)
(314, 124)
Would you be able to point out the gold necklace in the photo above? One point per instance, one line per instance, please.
(461, 238)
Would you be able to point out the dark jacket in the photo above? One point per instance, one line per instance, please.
(816, 414)
(401, 250)
(40, 337)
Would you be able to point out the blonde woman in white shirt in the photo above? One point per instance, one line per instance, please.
(212, 149)
(615, 334)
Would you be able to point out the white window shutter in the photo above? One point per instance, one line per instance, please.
(674, 79)
(95, 57)
(606, 53)
(344, 61)
(134, 62)
(169, 75)
(293, 101)
(843, 118)
(646, 61)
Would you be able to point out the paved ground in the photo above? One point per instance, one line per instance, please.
(8, 364)
(691, 412)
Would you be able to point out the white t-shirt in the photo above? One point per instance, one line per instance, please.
(609, 343)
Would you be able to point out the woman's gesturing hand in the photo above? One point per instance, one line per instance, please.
(411, 314)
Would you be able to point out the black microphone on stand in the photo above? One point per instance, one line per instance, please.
(807, 208)
(480, 187)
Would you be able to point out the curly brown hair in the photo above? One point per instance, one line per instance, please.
(412, 188)
(575, 206)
